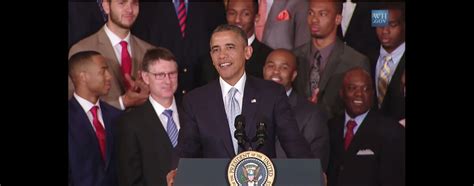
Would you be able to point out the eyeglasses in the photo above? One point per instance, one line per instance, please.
(162, 75)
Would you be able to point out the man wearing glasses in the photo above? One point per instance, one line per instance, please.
(148, 134)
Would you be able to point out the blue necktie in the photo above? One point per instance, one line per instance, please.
(232, 110)
(171, 127)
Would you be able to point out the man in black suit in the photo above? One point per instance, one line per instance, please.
(147, 135)
(388, 68)
(241, 13)
(159, 24)
(280, 67)
(366, 148)
(356, 27)
(91, 160)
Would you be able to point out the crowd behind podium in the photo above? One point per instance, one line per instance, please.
(154, 81)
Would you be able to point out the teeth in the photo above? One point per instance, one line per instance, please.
(275, 79)
(357, 102)
(224, 64)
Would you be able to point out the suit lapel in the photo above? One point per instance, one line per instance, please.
(360, 136)
(108, 130)
(332, 63)
(108, 50)
(396, 80)
(220, 118)
(249, 109)
(153, 123)
(292, 99)
(136, 52)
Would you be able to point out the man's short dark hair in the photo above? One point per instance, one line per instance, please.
(254, 3)
(79, 59)
(154, 54)
(233, 28)
(393, 6)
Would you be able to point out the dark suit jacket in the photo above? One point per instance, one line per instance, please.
(312, 122)
(253, 66)
(101, 43)
(86, 167)
(144, 151)
(205, 131)
(158, 24)
(360, 35)
(393, 104)
(341, 59)
(84, 18)
(384, 137)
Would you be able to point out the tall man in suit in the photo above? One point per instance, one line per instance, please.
(91, 160)
(390, 63)
(323, 60)
(148, 134)
(123, 52)
(366, 147)
(184, 27)
(241, 13)
(356, 26)
(210, 110)
(282, 23)
(280, 67)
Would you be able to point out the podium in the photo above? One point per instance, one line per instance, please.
(213, 172)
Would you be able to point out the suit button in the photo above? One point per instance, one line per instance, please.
(184, 91)
(185, 70)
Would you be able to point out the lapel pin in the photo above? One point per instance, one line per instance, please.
(253, 100)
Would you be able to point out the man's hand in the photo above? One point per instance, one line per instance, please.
(170, 177)
(314, 96)
(137, 94)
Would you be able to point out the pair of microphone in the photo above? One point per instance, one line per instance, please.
(241, 136)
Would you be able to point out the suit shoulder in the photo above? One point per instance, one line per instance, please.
(353, 54)
(88, 43)
(302, 49)
(387, 127)
(142, 43)
(110, 108)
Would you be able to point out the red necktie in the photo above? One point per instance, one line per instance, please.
(99, 131)
(126, 62)
(182, 16)
(349, 133)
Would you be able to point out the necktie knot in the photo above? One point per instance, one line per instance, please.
(232, 92)
(387, 58)
(351, 124)
(168, 113)
(124, 44)
(94, 111)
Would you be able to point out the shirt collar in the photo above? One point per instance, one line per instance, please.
(251, 39)
(114, 39)
(159, 108)
(358, 119)
(397, 54)
(288, 93)
(85, 104)
(225, 87)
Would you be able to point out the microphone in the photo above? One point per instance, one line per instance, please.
(239, 133)
(261, 134)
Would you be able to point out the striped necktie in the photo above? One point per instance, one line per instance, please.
(232, 110)
(315, 75)
(383, 79)
(171, 128)
(182, 16)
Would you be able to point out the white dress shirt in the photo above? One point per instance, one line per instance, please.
(159, 109)
(250, 40)
(86, 106)
(240, 85)
(348, 8)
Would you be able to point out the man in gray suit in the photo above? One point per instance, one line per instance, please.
(323, 60)
(280, 67)
(111, 41)
(284, 23)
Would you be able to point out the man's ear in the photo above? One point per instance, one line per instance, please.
(248, 52)
(257, 18)
(106, 6)
(338, 19)
(145, 77)
(294, 76)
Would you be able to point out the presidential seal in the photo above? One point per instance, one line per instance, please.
(250, 168)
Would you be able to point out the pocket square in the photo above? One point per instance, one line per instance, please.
(283, 15)
(365, 152)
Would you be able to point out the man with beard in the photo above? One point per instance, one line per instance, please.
(123, 52)
(323, 60)
(366, 147)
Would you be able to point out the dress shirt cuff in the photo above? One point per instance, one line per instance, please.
(122, 106)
